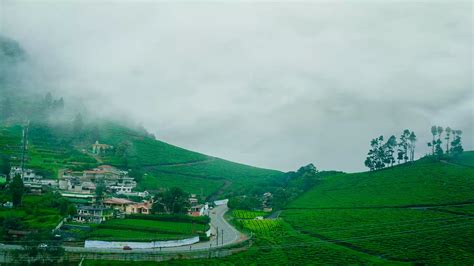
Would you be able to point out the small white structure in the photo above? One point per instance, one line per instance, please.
(221, 202)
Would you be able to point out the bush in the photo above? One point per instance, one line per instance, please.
(203, 237)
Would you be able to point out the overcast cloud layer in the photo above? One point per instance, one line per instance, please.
(272, 85)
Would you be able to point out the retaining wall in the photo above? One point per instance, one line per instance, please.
(140, 245)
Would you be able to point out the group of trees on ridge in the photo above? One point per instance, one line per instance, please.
(382, 154)
(452, 137)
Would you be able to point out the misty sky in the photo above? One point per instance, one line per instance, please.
(271, 85)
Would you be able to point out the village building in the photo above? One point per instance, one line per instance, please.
(92, 214)
(117, 203)
(198, 210)
(139, 208)
(98, 148)
(32, 181)
(193, 200)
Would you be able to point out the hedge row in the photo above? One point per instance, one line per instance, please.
(171, 218)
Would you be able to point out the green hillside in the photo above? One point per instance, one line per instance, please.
(155, 164)
(166, 165)
(415, 213)
(425, 182)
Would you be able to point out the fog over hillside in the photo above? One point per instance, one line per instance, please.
(271, 85)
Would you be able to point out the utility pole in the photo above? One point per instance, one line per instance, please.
(217, 236)
(222, 236)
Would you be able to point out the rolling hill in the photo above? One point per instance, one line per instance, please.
(155, 164)
(419, 213)
(416, 213)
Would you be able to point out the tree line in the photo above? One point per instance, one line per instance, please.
(453, 141)
(382, 154)
(386, 153)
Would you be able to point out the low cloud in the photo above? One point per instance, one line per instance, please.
(272, 85)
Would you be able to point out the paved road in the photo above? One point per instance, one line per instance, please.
(230, 236)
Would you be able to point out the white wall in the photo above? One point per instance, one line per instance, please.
(140, 245)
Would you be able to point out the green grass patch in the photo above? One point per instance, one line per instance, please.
(145, 230)
(106, 234)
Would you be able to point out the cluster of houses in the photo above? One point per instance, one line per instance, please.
(80, 188)
(31, 180)
(85, 182)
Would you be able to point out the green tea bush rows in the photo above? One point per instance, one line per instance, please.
(419, 236)
(244, 214)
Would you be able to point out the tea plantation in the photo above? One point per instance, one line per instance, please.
(413, 213)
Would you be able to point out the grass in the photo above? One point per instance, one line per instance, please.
(144, 230)
(132, 235)
(154, 226)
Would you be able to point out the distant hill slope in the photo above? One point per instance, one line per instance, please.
(425, 182)
(413, 213)
(174, 166)
(156, 164)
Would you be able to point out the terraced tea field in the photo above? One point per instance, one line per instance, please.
(244, 214)
(263, 227)
(410, 235)
(415, 213)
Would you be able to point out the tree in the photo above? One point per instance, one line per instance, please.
(434, 132)
(440, 132)
(448, 138)
(17, 189)
(174, 200)
(412, 145)
(389, 150)
(438, 150)
(403, 146)
(5, 165)
(376, 154)
(456, 146)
